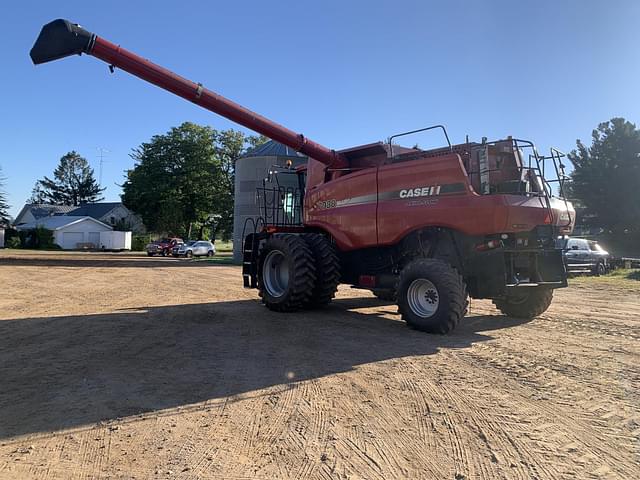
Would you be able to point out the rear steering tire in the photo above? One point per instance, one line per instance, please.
(327, 266)
(432, 296)
(286, 273)
(525, 303)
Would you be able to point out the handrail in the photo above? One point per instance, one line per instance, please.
(444, 130)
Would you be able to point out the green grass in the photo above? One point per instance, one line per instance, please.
(623, 279)
(224, 246)
(625, 273)
(218, 260)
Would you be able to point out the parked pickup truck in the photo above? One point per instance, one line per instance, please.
(584, 256)
(162, 247)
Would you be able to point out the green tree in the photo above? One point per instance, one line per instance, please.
(72, 184)
(184, 178)
(37, 194)
(606, 178)
(5, 219)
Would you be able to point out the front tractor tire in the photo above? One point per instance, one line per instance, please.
(327, 266)
(432, 296)
(286, 273)
(525, 303)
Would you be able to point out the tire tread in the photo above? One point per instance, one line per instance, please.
(327, 267)
(301, 279)
(450, 283)
(537, 303)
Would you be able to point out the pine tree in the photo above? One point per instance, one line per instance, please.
(72, 184)
(5, 219)
(37, 194)
(606, 178)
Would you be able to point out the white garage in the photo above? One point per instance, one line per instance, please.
(71, 232)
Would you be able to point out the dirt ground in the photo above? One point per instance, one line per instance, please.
(118, 366)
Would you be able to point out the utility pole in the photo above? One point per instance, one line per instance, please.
(101, 155)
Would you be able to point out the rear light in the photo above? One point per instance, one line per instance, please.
(367, 280)
(490, 245)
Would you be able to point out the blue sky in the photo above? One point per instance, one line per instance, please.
(341, 72)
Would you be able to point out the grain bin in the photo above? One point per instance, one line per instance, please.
(251, 169)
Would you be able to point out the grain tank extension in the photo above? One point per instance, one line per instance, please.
(423, 228)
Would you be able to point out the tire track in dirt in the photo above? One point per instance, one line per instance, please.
(200, 457)
(380, 429)
(463, 420)
(571, 432)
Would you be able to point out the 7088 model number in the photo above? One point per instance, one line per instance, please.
(323, 204)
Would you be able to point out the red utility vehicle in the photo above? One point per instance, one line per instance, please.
(163, 247)
(426, 228)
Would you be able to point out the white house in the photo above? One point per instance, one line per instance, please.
(110, 213)
(71, 232)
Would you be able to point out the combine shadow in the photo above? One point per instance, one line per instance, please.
(65, 372)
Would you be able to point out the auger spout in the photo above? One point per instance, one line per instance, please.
(62, 38)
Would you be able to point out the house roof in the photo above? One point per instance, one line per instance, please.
(95, 210)
(40, 210)
(273, 149)
(57, 222)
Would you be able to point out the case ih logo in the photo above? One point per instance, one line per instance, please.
(420, 192)
(407, 193)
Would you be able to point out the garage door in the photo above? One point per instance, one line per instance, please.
(70, 240)
(94, 237)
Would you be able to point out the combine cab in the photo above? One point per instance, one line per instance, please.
(426, 229)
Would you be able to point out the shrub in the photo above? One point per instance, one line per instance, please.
(14, 242)
(138, 242)
(39, 238)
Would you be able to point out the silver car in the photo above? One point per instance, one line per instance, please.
(201, 248)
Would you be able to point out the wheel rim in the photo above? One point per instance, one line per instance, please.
(423, 297)
(275, 273)
(519, 299)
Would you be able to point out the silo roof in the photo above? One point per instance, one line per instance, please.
(273, 149)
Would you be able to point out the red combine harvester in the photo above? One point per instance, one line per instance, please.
(427, 229)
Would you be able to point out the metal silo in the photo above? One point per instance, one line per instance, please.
(251, 169)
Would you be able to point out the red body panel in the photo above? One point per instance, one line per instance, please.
(351, 222)
(381, 205)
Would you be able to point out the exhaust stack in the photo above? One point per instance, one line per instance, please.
(62, 38)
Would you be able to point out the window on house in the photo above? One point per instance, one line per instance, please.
(113, 220)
